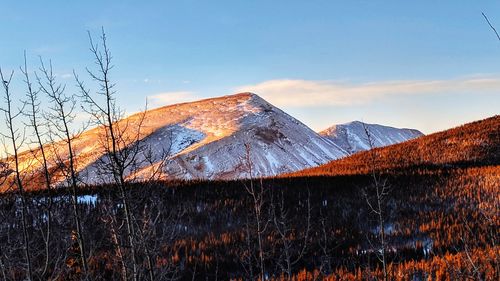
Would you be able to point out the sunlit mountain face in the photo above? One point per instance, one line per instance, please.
(210, 139)
(207, 139)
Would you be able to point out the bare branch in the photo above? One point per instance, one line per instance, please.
(491, 26)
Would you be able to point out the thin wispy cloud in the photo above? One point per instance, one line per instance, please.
(48, 49)
(311, 93)
(171, 98)
(66, 75)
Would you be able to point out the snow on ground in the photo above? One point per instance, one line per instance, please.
(88, 199)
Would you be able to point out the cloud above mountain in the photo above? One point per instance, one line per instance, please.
(311, 93)
(167, 98)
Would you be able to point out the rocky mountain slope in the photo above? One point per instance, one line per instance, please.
(352, 136)
(212, 138)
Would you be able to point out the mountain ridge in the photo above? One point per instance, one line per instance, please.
(228, 137)
(473, 144)
(352, 136)
(204, 139)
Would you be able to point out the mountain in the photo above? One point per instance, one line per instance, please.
(352, 136)
(206, 139)
(469, 145)
(210, 138)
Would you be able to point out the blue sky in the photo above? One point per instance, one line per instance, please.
(428, 65)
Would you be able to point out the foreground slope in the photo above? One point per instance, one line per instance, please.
(352, 136)
(472, 144)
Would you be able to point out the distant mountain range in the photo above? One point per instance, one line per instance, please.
(229, 137)
(353, 137)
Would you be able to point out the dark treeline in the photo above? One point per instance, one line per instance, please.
(441, 225)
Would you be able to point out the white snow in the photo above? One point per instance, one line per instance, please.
(88, 199)
(353, 138)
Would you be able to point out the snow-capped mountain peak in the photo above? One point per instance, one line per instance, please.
(352, 136)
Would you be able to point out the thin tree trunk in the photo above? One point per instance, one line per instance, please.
(257, 200)
(116, 145)
(149, 260)
(130, 231)
(62, 118)
(381, 192)
(13, 138)
(119, 252)
(76, 213)
(33, 116)
(2, 265)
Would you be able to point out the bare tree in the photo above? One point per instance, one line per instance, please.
(376, 203)
(34, 116)
(110, 219)
(325, 266)
(491, 26)
(293, 244)
(4, 175)
(17, 139)
(488, 210)
(257, 195)
(61, 116)
(156, 222)
(120, 140)
(157, 229)
(158, 162)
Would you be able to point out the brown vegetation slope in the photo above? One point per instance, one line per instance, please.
(472, 144)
